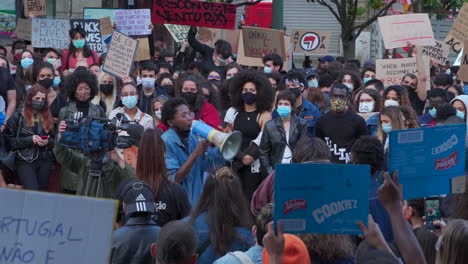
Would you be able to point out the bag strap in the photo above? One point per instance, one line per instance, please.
(203, 247)
(19, 128)
(244, 258)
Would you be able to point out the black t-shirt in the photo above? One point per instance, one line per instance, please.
(340, 132)
(416, 103)
(6, 84)
(172, 203)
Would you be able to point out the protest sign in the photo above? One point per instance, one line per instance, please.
(178, 32)
(98, 13)
(457, 61)
(321, 198)
(7, 17)
(261, 41)
(23, 28)
(463, 71)
(391, 71)
(93, 32)
(106, 26)
(121, 54)
(399, 30)
(50, 33)
(143, 51)
(459, 30)
(437, 53)
(459, 184)
(428, 158)
(194, 13)
(133, 22)
(242, 59)
(38, 6)
(310, 41)
(39, 227)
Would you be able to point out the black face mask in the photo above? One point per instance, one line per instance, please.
(296, 91)
(38, 105)
(169, 89)
(189, 97)
(46, 83)
(106, 88)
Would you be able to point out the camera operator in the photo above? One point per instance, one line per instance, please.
(81, 87)
(113, 171)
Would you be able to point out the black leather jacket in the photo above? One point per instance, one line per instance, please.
(24, 144)
(274, 143)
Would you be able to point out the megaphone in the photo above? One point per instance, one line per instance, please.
(228, 143)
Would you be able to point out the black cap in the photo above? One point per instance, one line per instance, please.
(138, 198)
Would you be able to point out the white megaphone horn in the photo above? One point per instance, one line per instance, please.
(228, 143)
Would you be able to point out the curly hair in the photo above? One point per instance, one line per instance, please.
(265, 94)
(354, 76)
(38, 67)
(169, 109)
(410, 115)
(368, 150)
(77, 77)
(401, 92)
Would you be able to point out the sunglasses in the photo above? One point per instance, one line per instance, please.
(214, 77)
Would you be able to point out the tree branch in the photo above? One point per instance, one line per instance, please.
(382, 12)
(248, 3)
(353, 19)
(322, 2)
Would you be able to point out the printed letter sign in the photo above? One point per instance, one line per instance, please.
(310, 41)
(93, 32)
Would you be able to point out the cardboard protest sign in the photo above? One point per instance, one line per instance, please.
(321, 198)
(310, 41)
(399, 30)
(457, 61)
(437, 53)
(93, 32)
(133, 22)
(143, 51)
(38, 6)
(194, 13)
(121, 54)
(391, 71)
(463, 71)
(242, 59)
(261, 41)
(459, 30)
(39, 227)
(427, 158)
(23, 28)
(106, 26)
(98, 13)
(178, 32)
(50, 33)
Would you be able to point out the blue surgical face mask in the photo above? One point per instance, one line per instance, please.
(147, 82)
(51, 60)
(267, 69)
(26, 62)
(313, 83)
(461, 114)
(366, 80)
(433, 112)
(129, 101)
(284, 111)
(57, 81)
(386, 128)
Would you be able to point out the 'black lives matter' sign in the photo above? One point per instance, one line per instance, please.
(93, 32)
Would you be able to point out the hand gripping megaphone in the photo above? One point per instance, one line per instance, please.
(228, 143)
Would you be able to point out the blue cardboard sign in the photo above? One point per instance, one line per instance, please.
(428, 158)
(321, 198)
(51, 228)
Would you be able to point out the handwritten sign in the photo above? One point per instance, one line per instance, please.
(38, 6)
(463, 71)
(261, 41)
(178, 32)
(194, 13)
(93, 32)
(437, 53)
(39, 227)
(391, 71)
(50, 33)
(459, 30)
(133, 22)
(23, 28)
(106, 26)
(399, 30)
(121, 54)
(310, 41)
(321, 198)
(428, 158)
(143, 51)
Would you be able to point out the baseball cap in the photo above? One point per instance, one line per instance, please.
(138, 198)
(295, 251)
(327, 58)
(309, 72)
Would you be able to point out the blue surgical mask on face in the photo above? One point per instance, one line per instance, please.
(366, 80)
(57, 81)
(267, 69)
(129, 101)
(313, 83)
(433, 112)
(461, 114)
(284, 111)
(386, 128)
(26, 62)
(51, 60)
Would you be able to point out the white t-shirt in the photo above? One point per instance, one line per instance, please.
(287, 151)
(141, 118)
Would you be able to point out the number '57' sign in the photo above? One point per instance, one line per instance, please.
(310, 41)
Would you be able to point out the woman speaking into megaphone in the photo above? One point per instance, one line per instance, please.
(187, 157)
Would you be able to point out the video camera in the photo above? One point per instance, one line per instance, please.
(99, 135)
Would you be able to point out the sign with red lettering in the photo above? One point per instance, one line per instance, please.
(261, 41)
(310, 41)
(195, 13)
(391, 71)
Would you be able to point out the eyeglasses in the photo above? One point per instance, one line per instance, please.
(214, 77)
(186, 115)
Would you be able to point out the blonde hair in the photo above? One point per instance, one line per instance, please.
(453, 243)
(110, 100)
(397, 118)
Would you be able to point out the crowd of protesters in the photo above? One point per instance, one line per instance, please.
(198, 207)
